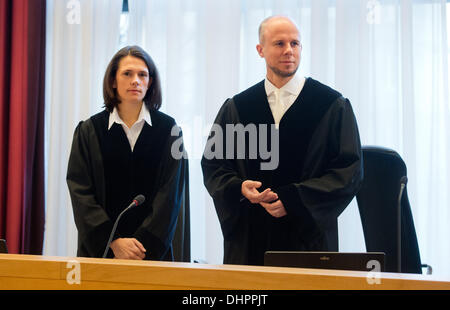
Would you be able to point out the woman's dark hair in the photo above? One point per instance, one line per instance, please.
(152, 98)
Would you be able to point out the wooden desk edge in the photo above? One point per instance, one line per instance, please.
(50, 272)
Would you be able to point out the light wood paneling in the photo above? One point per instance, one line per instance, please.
(43, 272)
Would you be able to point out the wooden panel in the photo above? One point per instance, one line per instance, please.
(41, 272)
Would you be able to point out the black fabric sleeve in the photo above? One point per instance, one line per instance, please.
(222, 177)
(91, 219)
(334, 172)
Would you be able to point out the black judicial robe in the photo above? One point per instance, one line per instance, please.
(104, 175)
(319, 172)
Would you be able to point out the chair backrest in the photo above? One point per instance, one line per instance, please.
(181, 243)
(378, 205)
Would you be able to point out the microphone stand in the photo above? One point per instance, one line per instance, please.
(137, 201)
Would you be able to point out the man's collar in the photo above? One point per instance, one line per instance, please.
(294, 86)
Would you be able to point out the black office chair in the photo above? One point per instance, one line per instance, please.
(378, 201)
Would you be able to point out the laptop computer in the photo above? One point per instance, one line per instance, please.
(369, 261)
(3, 248)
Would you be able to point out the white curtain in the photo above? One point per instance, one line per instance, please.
(389, 57)
(196, 46)
(82, 36)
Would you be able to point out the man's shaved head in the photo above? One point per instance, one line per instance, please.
(271, 19)
(280, 46)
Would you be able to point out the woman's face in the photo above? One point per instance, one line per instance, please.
(132, 80)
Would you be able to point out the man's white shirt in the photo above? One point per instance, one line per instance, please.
(281, 99)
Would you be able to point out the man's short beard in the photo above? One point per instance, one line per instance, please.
(283, 74)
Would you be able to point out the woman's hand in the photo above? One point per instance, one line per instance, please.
(128, 248)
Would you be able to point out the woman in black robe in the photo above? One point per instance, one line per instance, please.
(121, 152)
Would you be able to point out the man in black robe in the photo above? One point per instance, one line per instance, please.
(291, 199)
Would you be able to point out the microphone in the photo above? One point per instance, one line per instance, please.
(403, 181)
(138, 200)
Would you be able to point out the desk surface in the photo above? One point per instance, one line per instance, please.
(45, 272)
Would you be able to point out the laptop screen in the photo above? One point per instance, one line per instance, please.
(367, 261)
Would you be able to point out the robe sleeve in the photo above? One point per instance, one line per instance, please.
(222, 177)
(333, 172)
(157, 230)
(91, 219)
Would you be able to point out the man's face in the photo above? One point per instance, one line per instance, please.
(280, 47)
(132, 79)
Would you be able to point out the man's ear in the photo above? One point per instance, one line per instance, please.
(259, 48)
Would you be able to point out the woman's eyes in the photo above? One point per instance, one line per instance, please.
(141, 74)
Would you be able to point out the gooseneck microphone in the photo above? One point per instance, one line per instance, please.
(403, 181)
(138, 200)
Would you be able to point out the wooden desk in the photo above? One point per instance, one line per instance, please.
(43, 272)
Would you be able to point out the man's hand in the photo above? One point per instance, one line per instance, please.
(249, 190)
(128, 248)
(276, 209)
(267, 199)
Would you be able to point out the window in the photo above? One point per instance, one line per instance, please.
(124, 24)
(448, 39)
